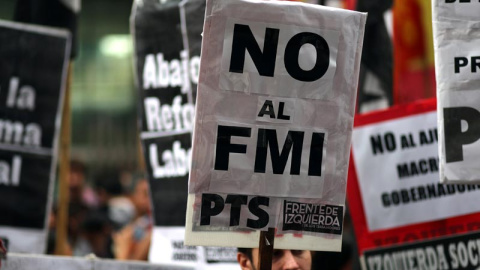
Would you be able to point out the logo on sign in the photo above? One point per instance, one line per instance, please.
(312, 217)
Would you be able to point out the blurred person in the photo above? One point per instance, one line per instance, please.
(113, 201)
(133, 241)
(77, 211)
(281, 260)
(95, 236)
(79, 190)
(141, 197)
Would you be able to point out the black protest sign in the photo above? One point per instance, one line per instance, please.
(24, 185)
(457, 252)
(168, 170)
(56, 13)
(33, 62)
(167, 49)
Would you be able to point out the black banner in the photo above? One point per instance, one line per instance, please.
(167, 49)
(33, 63)
(456, 252)
(56, 13)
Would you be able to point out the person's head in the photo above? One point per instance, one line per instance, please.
(141, 197)
(96, 229)
(282, 259)
(107, 185)
(76, 179)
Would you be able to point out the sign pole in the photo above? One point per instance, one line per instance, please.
(265, 253)
(61, 244)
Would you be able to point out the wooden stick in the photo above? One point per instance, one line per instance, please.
(61, 242)
(265, 253)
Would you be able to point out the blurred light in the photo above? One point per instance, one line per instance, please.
(116, 45)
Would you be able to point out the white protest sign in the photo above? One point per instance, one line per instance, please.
(168, 248)
(275, 106)
(457, 38)
(26, 262)
(397, 168)
(457, 9)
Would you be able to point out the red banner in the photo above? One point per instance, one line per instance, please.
(414, 67)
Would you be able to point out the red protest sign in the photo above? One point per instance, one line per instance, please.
(393, 189)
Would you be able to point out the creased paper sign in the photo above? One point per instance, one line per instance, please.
(275, 106)
(456, 27)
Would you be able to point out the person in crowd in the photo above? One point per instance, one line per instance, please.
(80, 192)
(113, 200)
(77, 211)
(133, 241)
(95, 236)
(281, 260)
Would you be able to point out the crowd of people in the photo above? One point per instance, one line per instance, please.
(109, 217)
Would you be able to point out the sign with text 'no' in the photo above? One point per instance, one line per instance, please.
(33, 68)
(457, 62)
(394, 195)
(275, 105)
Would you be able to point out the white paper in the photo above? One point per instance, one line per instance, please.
(384, 182)
(23, 262)
(168, 248)
(457, 59)
(250, 239)
(275, 107)
(458, 10)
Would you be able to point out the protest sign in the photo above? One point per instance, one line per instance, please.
(25, 262)
(455, 252)
(457, 60)
(167, 62)
(169, 248)
(275, 105)
(167, 56)
(393, 190)
(33, 64)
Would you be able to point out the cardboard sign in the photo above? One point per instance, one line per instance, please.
(168, 247)
(276, 98)
(167, 64)
(457, 60)
(24, 262)
(33, 66)
(393, 190)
